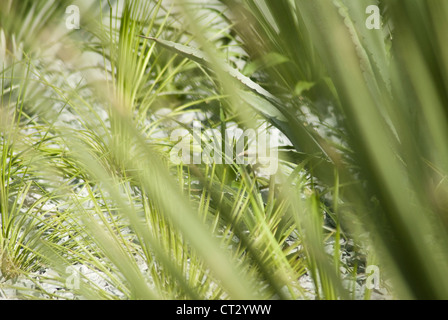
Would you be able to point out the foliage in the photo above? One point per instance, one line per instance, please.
(92, 205)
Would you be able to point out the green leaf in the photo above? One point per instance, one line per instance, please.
(303, 86)
(272, 59)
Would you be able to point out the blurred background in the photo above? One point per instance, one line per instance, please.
(92, 205)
